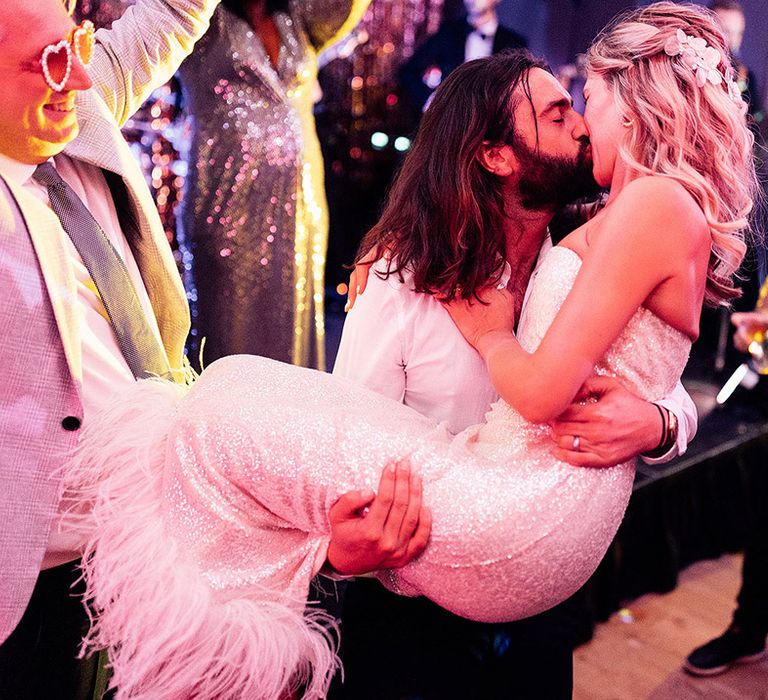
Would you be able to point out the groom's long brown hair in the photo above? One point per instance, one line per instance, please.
(443, 221)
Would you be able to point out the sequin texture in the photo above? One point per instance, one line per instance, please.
(515, 531)
(254, 221)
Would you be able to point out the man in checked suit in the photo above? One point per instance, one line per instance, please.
(67, 342)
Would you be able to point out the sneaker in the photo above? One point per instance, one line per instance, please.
(734, 646)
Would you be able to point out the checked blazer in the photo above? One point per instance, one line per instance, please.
(40, 343)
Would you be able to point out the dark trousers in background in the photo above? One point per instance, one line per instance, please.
(39, 660)
(396, 648)
(752, 604)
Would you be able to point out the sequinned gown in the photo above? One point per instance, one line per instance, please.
(254, 220)
(257, 452)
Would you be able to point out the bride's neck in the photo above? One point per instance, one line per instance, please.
(622, 176)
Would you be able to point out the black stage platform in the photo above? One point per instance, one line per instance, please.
(699, 506)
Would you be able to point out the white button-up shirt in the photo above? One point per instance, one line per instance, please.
(404, 345)
(480, 40)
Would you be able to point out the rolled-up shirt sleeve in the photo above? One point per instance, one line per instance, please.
(681, 404)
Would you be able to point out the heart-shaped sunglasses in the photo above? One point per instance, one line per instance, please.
(57, 58)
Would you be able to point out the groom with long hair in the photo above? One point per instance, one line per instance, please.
(500, 152)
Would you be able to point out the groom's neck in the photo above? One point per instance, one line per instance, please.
(524, 232)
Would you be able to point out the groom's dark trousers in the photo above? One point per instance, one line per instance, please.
(397, 648)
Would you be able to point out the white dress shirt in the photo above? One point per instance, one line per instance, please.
(104, 367)
(479, 42)
(404, 345)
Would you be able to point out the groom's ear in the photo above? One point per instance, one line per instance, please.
(497, 158)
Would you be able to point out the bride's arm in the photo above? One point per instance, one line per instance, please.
(652, 233)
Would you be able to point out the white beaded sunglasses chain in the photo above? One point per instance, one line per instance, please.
(81, 38)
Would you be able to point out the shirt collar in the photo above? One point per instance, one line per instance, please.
(488, 29)
(15, 170)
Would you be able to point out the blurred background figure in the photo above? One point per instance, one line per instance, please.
(572, 77)
(734, 23)
(477, 35)
(744, 640)
(254, 220)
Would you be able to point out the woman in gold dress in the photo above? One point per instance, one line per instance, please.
(254, 221)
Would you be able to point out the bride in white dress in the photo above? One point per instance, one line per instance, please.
(211, 503)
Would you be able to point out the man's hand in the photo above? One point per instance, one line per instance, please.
(612, 424)
(746, 326)
(385, 531)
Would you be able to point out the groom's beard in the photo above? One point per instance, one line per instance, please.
(550, 182)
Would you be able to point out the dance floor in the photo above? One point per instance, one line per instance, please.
(638, 653)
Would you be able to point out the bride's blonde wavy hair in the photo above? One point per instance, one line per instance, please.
(695, 135)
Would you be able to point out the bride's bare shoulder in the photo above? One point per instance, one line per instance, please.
(659, 211)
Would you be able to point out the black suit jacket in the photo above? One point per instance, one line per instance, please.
(445, 50)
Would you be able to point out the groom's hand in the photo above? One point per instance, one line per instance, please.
(379, 531)
(612, 424)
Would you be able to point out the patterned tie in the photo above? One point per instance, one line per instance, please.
(137, 342)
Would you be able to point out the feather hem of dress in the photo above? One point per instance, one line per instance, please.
(167, 634)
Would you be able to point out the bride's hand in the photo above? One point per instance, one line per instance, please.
(477, 320)
(358, 279)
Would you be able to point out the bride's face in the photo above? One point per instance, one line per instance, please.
(604, 124)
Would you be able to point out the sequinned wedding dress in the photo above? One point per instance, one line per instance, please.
(211, 509)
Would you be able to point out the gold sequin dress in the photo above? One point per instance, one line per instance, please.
(254, 219)
(230, 522)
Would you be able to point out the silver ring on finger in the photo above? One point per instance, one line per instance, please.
(576, 443)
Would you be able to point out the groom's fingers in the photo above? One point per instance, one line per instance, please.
(582, 458)
(397, 522)
(385, 496)
(350, 505)
(410, 520)
(588, 454)
(415, 525)
(420, 539)
(399, 508)
(563, 433)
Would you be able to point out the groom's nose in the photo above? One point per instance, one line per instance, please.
(579, 129)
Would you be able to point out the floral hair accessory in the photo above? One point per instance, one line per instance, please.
(734, 91)
(703, 60)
